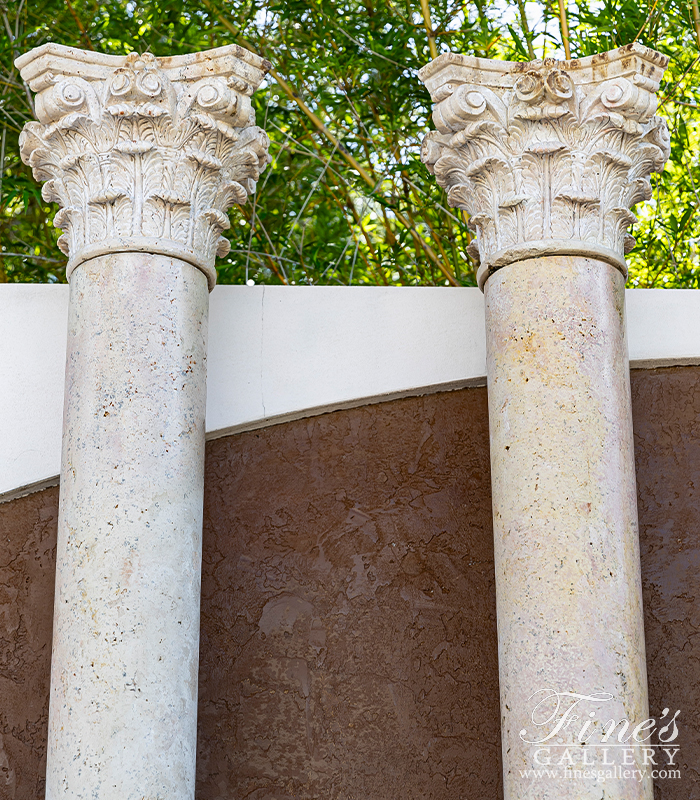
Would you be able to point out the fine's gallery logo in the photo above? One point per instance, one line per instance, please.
(575, 735)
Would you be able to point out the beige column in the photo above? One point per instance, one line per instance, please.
(144, 155)
(548, 158)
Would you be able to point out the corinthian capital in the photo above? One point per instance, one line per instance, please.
(547, 156)
(144, 153)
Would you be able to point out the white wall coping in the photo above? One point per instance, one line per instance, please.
(283, 352)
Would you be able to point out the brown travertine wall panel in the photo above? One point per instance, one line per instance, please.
(27, 568)
(348, 608)
(336, 664)
(666, 406)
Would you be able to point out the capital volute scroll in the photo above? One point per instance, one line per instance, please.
(144, 153)
(547, 157)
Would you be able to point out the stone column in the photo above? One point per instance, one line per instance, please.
(144, 155)
(548, 158)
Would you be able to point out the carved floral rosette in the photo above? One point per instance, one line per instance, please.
(547, 157)
(144, 153)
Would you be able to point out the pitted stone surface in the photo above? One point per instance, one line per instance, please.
(144, 155)
(122, 717)
(566, 547)
(548, 158)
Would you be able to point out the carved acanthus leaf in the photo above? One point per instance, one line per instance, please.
(547, 151)
(150, 152)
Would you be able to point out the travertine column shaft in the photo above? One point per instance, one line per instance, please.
(548, 157)
(123, 711)
(145, 156)
(569, 600)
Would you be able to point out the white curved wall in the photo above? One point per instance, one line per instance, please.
(281, 352)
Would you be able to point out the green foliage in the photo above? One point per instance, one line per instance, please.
(346, 198)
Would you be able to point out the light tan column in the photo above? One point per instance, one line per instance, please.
(145, 156)
(547, 158)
